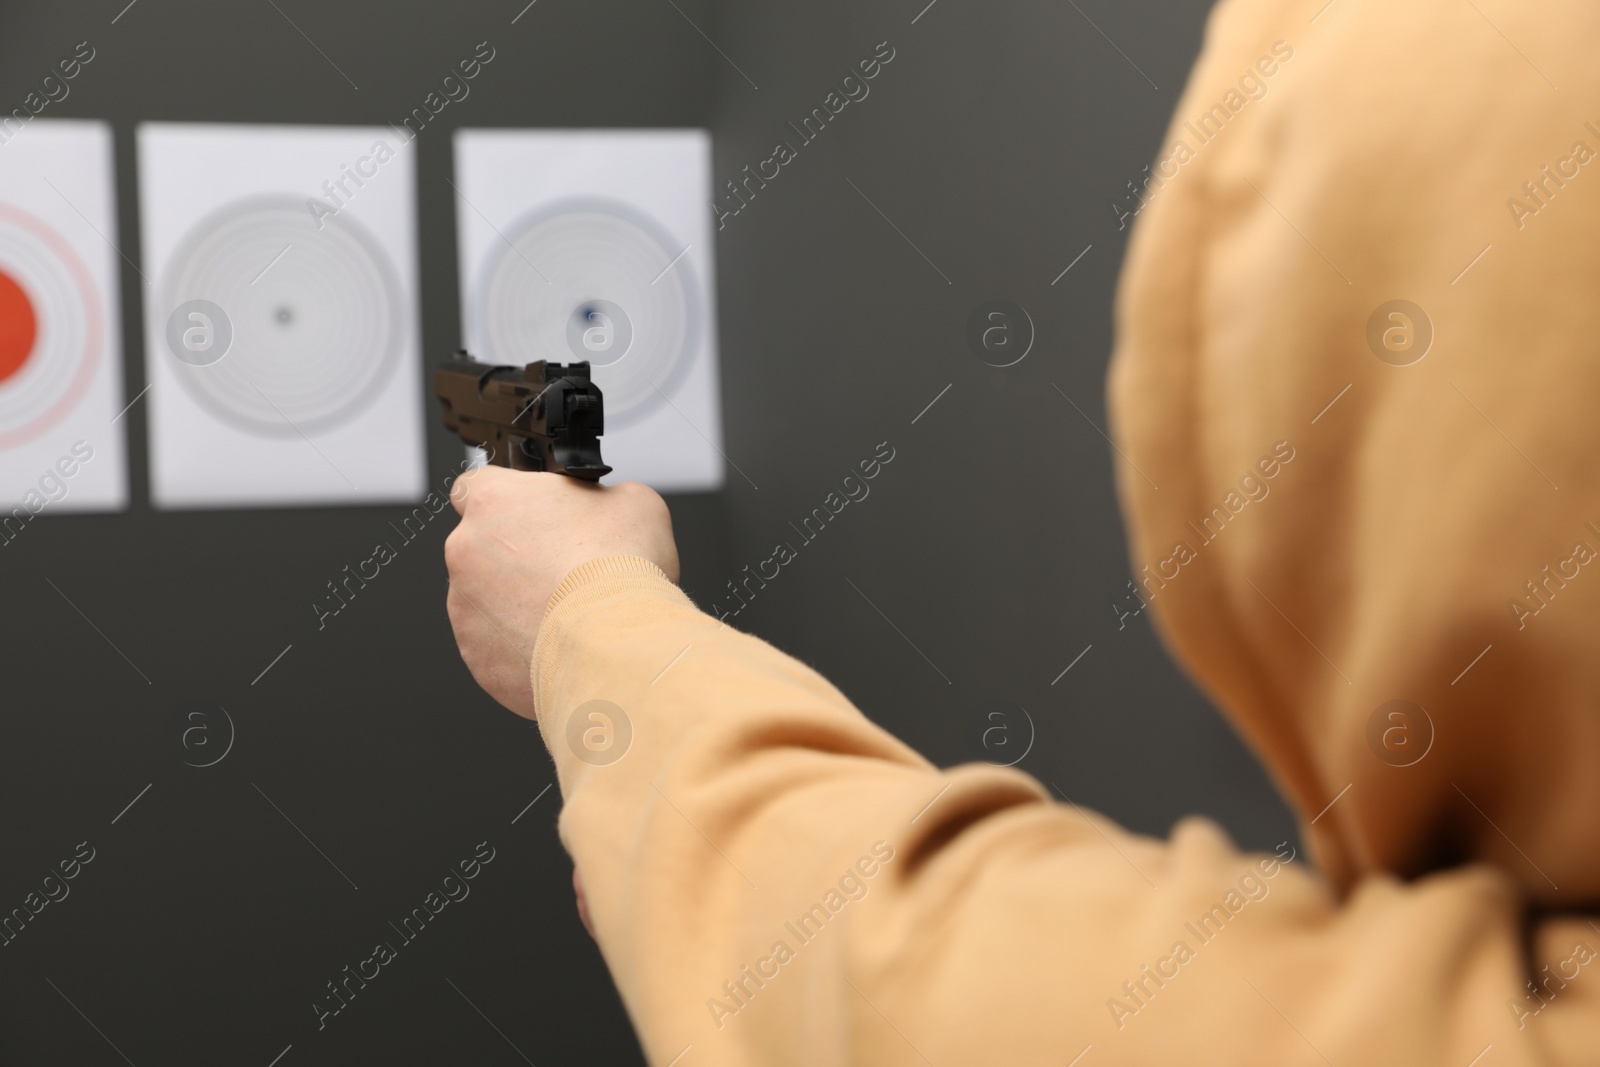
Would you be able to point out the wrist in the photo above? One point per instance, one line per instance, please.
(588, 588)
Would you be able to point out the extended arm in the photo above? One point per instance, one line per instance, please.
(774, 879)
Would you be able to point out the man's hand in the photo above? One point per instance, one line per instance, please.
(520, 534)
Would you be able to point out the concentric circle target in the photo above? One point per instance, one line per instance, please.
(52, 338)
(314, 312)
(19, 326)
(602, 272)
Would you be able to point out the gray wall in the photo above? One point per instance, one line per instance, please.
(207, 923)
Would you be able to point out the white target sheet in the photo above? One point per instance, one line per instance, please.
(281, 322)
(596, 245)
(63, 446)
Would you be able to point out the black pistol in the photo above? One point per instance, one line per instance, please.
(542, 417)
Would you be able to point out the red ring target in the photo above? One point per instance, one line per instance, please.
(52, 332)
(19, 326)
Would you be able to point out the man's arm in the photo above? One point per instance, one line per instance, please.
(774, 879)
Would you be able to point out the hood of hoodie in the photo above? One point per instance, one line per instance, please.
(1355, 390)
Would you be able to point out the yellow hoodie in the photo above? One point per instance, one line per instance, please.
(1349, 378)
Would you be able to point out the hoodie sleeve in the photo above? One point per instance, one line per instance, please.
(773, 879)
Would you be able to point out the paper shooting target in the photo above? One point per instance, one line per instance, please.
(52, 327)
(314, 312)
(596, 280)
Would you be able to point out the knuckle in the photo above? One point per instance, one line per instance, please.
(456, 551)
(641, 496)
(485, 492)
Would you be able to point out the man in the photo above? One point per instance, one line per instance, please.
(1371, 544)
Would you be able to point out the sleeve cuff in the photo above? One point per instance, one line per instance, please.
(607, 567)
(588, 583)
